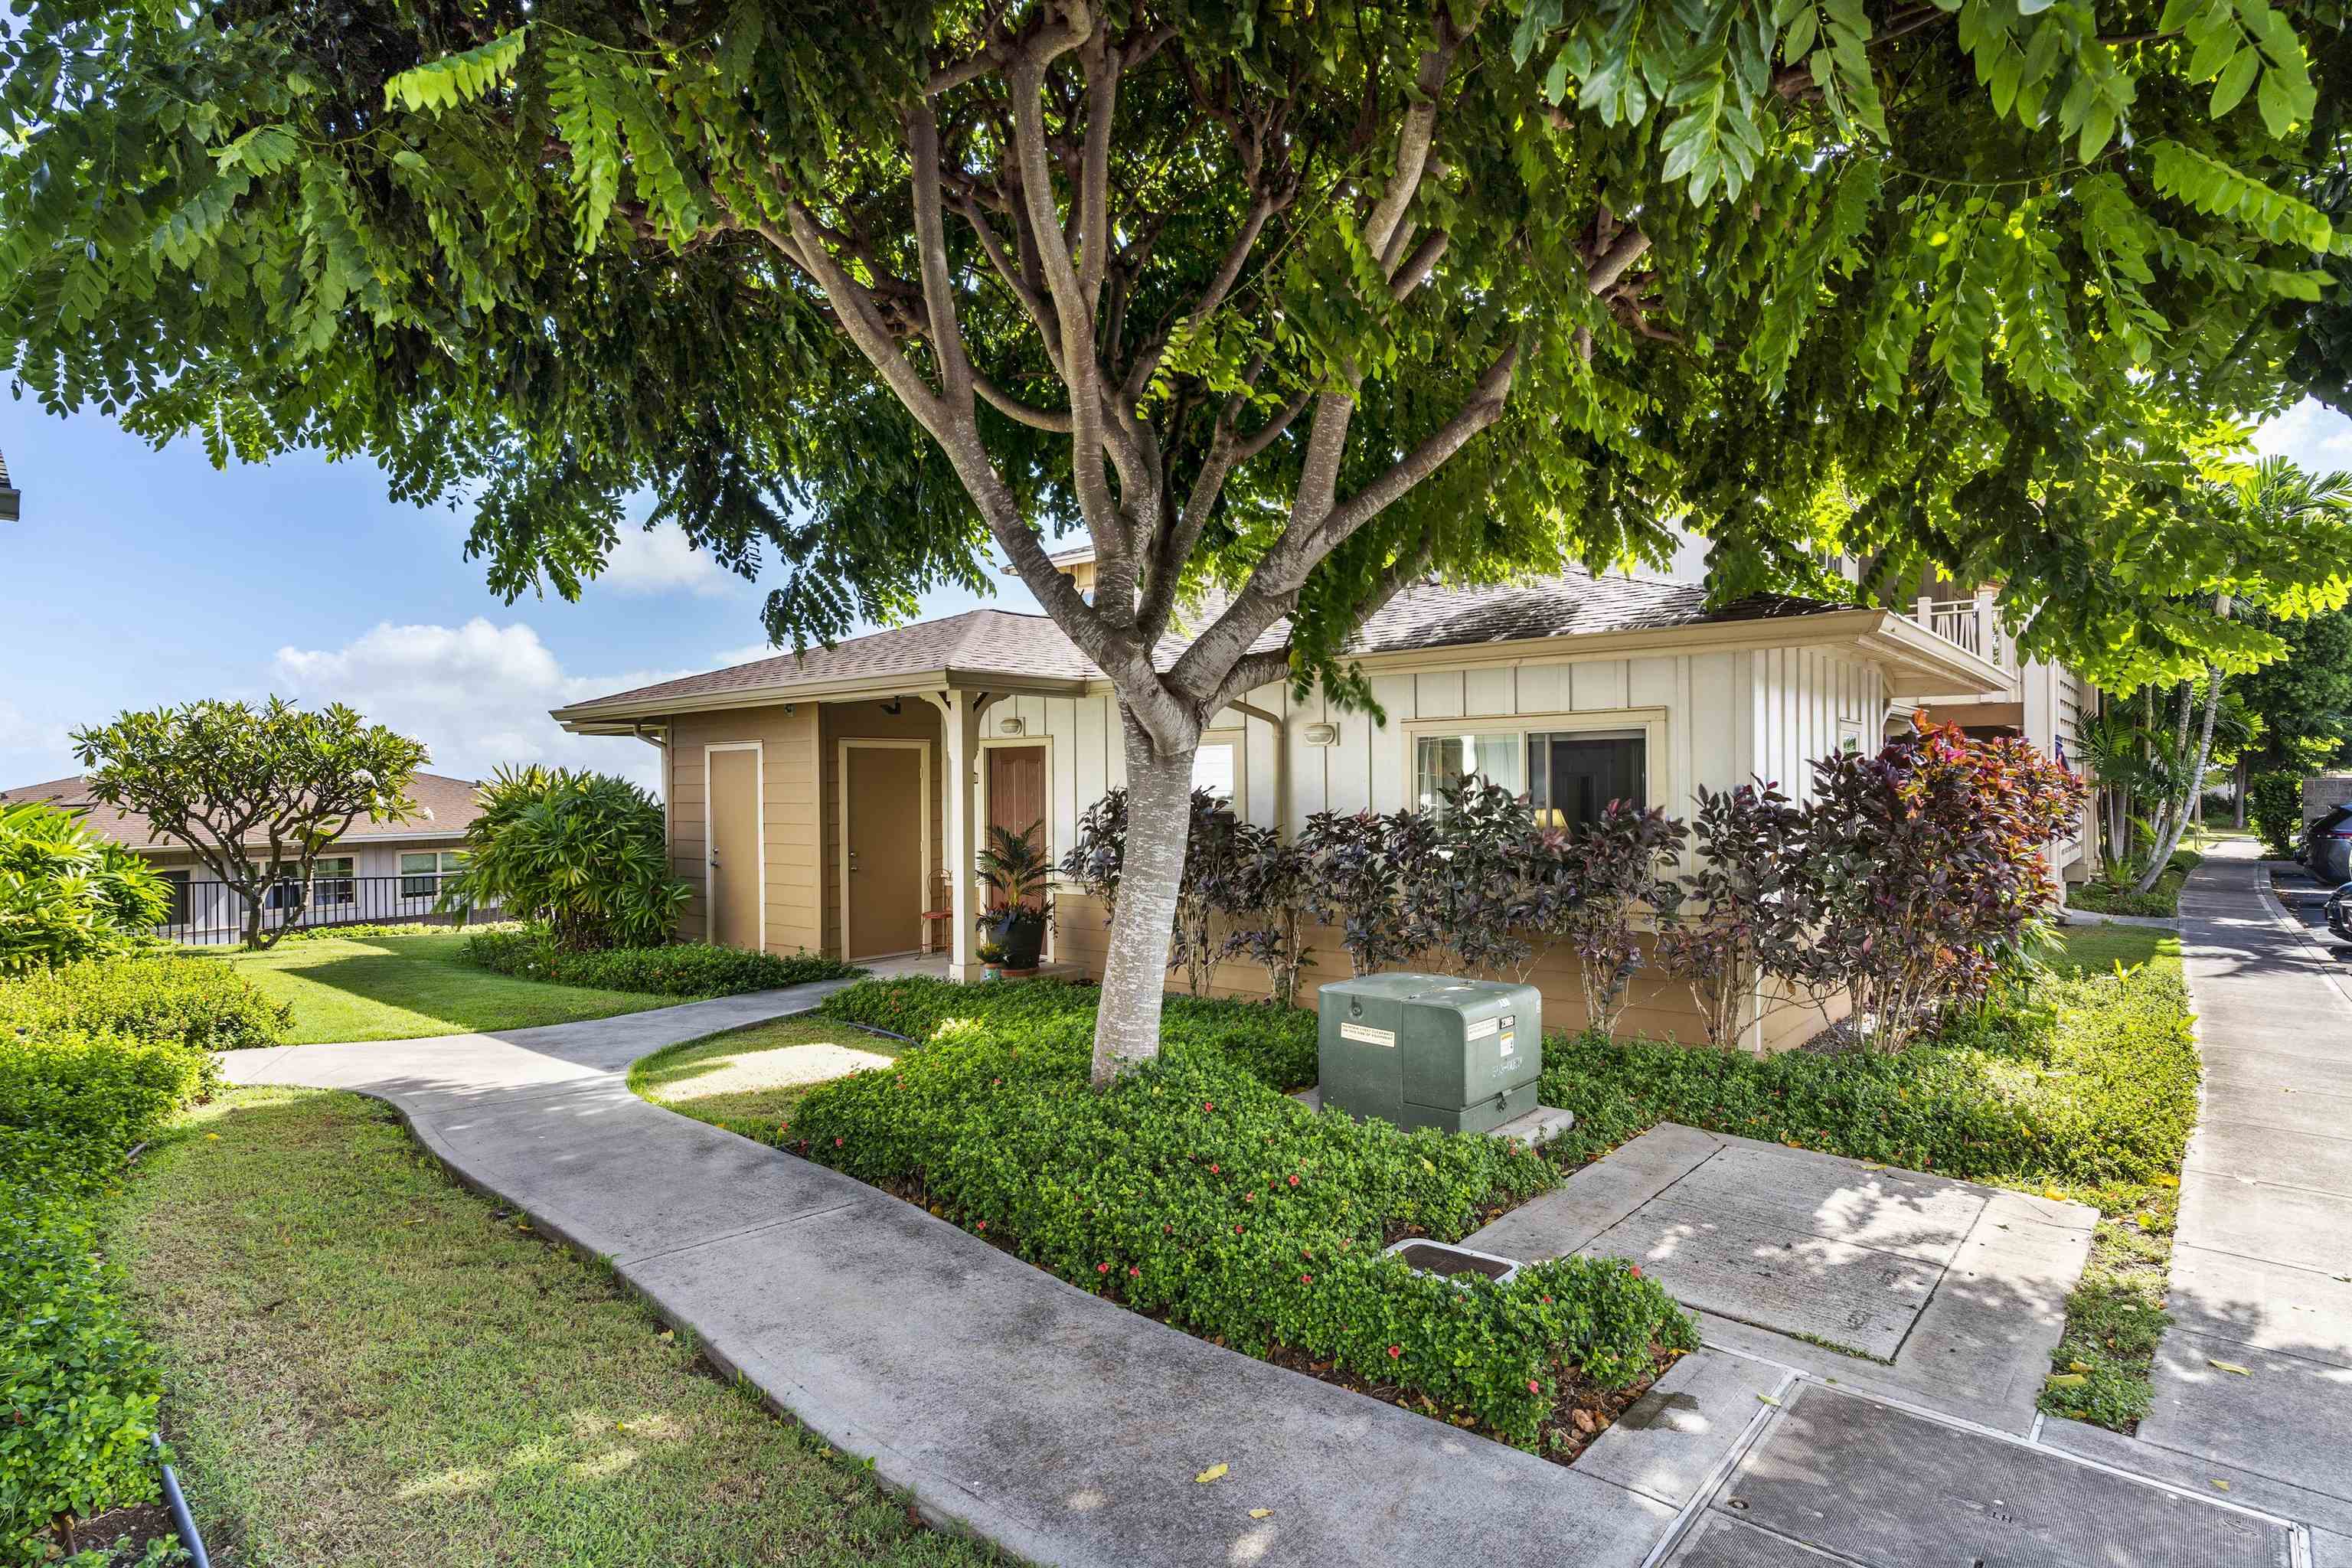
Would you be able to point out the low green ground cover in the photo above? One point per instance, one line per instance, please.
(409, 987)
(2163, 901)
(95, 1058)
(2081, 1084)
(366, 1363)
(673, 969)
(1196, 1190)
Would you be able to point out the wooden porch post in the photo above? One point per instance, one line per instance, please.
(960, 741)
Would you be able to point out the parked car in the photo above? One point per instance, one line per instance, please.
(2326, 847)
(2339, 911)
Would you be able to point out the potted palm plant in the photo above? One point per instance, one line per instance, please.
(1016, 871)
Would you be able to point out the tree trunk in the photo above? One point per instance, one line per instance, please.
(2172, 840)
(2238, 792)
(1135, 973)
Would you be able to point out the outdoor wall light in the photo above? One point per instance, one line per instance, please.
(1322, 734)
(1013, 726)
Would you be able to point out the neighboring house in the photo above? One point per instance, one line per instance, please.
(820, 801)
(374, 872)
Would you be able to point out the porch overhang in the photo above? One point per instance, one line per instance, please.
(635, 717)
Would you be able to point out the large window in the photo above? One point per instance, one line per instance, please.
(331, 883)
(1569, 776)
(421, 872)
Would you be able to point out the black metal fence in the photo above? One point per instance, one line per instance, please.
(208, 912)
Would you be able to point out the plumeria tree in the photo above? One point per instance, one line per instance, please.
(256, 794)
(1307, 302)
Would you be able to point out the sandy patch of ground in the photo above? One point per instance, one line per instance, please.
(784, 1067)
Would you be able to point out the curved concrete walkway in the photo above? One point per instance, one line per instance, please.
(1063, 1427)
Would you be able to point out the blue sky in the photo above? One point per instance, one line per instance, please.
(140, 577)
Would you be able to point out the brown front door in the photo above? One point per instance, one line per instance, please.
(734, 887)
(883, 821)
(1016, 790)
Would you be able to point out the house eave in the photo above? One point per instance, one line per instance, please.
(624, 718)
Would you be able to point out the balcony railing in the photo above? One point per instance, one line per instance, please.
(207, 913)
(1970, 624)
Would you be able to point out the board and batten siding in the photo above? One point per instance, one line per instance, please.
(788, 813)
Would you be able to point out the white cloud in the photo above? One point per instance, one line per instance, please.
(661, 561)
(32, 748)
(2317, 437)
(477, 695)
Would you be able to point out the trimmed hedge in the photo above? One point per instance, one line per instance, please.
(2093, 1082)
(674, 969)
(201, 1003)
(1197, 1191)
(94, 1059)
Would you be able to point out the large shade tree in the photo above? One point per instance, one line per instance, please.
(1303, 301)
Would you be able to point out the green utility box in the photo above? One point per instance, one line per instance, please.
(1431, 1050)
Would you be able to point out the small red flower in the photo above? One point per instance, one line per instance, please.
(1212, 1169)
(1250, 1196)
(1102, 1268)
(1534, 1387)
(1547, 1300)
(1395, 1351)
(1237, 1230)
(1637, 1271)
(1134, 1273)
(1168, 1229)
(1208, 1105)
(1294, 1181)
(1307, 1280)
(981, 1225)
(836, 1143)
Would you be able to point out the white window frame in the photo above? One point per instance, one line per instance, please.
(1237, 737)
(1657, 761)
(759, 750)
(923, 749)
(442, 870)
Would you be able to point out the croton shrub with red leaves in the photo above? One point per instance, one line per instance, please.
(1927, 869)
(1196, 1190)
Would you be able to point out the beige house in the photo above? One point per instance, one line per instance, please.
(374, 872)
(828, 802)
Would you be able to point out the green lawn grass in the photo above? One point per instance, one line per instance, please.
(406, 987)
(366, 1363)
(723, 1080)
(2086, 949)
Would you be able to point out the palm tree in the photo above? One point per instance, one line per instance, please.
(2269, 498)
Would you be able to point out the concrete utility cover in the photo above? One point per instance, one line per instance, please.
(1827, 1476)
(1801, 1244)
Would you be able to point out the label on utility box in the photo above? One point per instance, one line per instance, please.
(1369, 1036)
(1510, 1021)
(1481, 1029)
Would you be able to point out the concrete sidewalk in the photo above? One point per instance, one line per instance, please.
(2261, 1260)
(1069, 1430)
(1063, 1427)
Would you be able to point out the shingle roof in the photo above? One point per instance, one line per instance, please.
(1573, 603)
(450, 801)
(977, 640)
